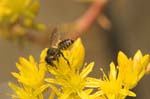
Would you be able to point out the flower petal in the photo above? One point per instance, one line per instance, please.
(87, 70)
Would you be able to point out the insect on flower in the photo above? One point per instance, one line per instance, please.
(55, 51)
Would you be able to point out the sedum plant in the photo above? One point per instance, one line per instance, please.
(73, 82)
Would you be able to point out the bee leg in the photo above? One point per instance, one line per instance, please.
(49, 61)
(65, 58)
(57, 58)
(52, 64)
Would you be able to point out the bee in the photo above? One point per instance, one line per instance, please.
(54, 52)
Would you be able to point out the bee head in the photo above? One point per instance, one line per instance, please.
(51, 51)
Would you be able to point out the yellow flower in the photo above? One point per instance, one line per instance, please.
(13, 10)
(73, 85)
(29, 73)
(69, 78)
(122, 78)
(30, 78)
(4, 9)
(132, 70)
(24, 92)
(110, 87)
(17, 16)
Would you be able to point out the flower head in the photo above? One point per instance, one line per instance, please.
(13, 10)
(110, 86)
(121, 78)
(132, 70)
(30, 79)
(72, 82)
(24, 92)
(29, 72)
(17, 16)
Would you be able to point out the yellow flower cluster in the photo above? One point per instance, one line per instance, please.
(122, 77)
(30, 79)
(11, 10)
(16, 16)
(72, 81)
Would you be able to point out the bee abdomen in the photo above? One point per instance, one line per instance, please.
(65, 44)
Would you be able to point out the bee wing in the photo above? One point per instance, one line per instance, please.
(57, 36)
(54, 37)
(68, 31)
(64, 31)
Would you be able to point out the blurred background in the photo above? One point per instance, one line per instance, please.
(130, 31)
